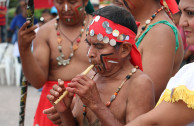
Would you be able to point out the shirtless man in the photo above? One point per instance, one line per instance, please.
(59, 51)
(158, 42)
(118, 90)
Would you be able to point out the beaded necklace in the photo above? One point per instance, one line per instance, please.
(113, 97)
(148, 21)
(73, 47)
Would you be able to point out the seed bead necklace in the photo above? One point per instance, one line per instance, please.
(148, 21)
(73, 47)
(113, 97)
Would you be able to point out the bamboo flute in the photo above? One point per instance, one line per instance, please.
(66, 92)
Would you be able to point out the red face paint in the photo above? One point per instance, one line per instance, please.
(78, 9)
(107, 64)
(104, 60)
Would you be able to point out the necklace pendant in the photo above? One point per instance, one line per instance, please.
(60, 59)
(59, 63)
(75, 47)
(66, 62)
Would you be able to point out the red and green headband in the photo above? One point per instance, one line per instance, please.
(110, 32)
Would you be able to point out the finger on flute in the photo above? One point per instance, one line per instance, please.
(66, 92)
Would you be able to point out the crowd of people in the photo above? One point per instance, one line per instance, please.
(142, 52)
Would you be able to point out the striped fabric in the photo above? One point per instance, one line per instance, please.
(2, 16)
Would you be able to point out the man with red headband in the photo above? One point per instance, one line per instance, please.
(158, 39)
(117, 88)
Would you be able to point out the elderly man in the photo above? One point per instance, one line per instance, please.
(117, 89)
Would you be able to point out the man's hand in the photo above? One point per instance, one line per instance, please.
(25, 36)
(86, 89)
(53, 115)
(55, 93)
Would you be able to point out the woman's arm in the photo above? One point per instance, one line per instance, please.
(166, 114)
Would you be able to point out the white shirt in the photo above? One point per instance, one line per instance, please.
(181, 87)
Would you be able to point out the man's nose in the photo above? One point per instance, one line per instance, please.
(91, 52)
(66, 6)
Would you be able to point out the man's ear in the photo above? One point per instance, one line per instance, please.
(125, 49)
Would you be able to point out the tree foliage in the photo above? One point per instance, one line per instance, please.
(13, 3)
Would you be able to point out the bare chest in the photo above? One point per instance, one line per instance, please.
(59, 52)
(118, 108)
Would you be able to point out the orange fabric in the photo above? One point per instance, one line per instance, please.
(40, 118)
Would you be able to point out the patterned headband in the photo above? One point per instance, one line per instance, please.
(110, 32)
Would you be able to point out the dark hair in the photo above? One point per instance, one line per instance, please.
(46, 11)
(118, 15)
(177, 1)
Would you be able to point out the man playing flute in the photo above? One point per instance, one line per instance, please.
(116, 91)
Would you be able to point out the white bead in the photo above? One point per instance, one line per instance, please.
(148, 21)
(133, 70)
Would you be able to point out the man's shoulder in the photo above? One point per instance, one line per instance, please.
(141, 81)
(47, 27)
(140, 86)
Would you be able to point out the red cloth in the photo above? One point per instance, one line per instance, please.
(40, 118)
(2, 16)
(172, 5)
(41, 4)
(137, 23)
(99, 29)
